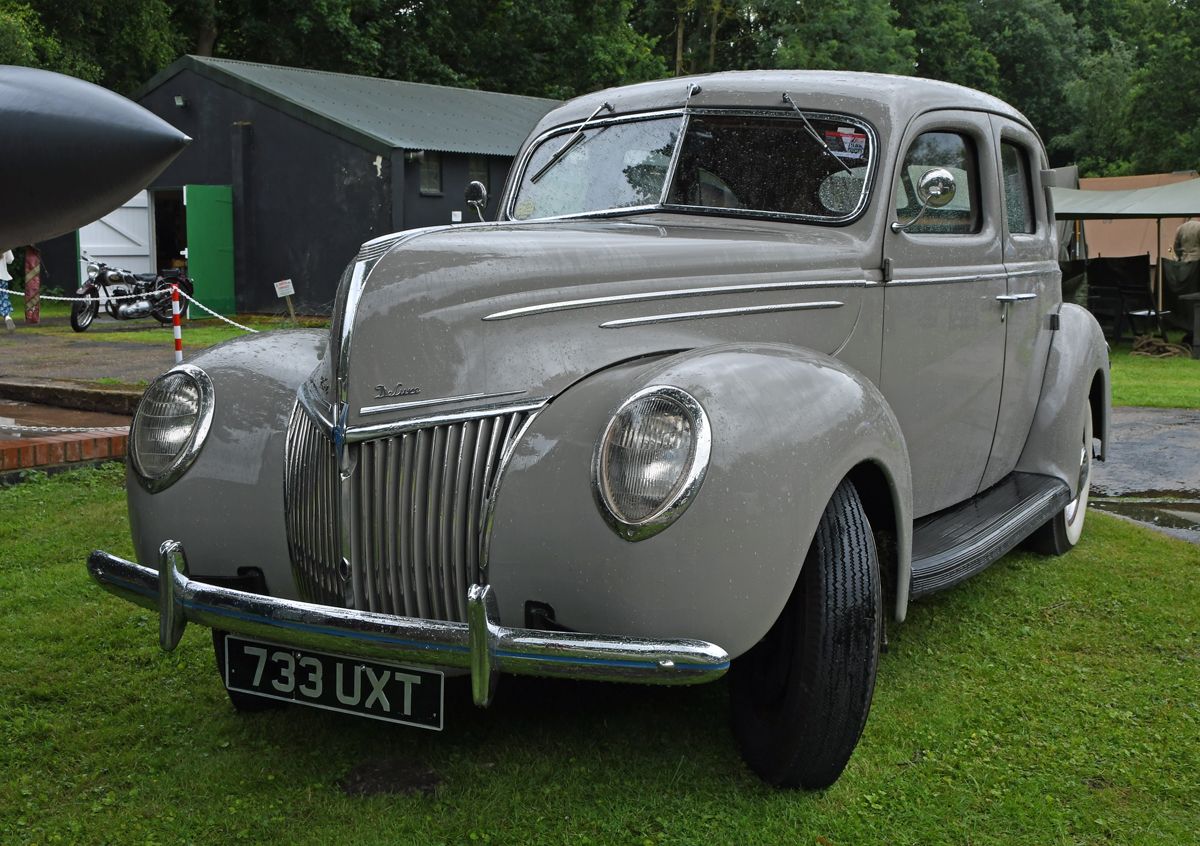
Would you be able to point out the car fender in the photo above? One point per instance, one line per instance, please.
(1077, 374)
(227, 509)
(787, 426)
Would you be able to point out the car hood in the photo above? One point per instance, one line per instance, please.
(456, 317)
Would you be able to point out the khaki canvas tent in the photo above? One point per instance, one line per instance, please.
(1174, 200)
(1179, 199)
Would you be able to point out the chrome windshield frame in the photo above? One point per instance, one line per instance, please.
(685, 114)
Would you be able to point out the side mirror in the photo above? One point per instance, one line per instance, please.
(935, 189)
(476, 196)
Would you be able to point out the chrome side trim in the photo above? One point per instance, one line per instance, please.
(589, 302)
(688, 486)
(355, 434)
(400, 406)
(481, 644)
(719, 312)
(195, 443)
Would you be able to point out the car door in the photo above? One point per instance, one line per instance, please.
(943, 347)
(1033, 289)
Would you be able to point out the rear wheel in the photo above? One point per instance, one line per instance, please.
(244, 702)
(84, 312)
(1061, 532)
(161, 310)
(801, 696)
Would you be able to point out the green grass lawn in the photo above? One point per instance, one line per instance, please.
(1159, 382)
(1047, 701)
(197, 333)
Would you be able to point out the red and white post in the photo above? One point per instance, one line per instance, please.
(175, 322)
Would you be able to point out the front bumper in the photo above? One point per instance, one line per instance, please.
(480, 645)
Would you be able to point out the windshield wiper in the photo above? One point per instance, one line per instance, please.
(787, 98)
(570, 142)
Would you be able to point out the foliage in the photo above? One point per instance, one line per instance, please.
(1110, 84)
(1045, 701)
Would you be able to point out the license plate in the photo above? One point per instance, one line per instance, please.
(391, 692)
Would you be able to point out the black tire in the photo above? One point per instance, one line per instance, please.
(242, 702)
(801, 696)
(1059, 534)
(83, 313)
(161, 311)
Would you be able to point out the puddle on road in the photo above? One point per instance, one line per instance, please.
(1176, 513)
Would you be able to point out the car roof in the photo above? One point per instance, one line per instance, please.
(885, 100)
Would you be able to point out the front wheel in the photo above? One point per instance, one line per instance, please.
(84, 312)
(1062, 531)
(800, 697)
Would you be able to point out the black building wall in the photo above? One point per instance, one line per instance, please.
(304, 199)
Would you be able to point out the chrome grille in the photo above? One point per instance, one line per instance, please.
(417, 506)
(310, 496)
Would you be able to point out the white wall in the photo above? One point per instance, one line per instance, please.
(121, 238)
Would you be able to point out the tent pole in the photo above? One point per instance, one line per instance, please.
(1159, 270)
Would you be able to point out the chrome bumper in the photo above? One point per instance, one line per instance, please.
(480, 645)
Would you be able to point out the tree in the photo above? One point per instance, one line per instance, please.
(947, 48)
(839, 34)
(116, 43)
(1038, 48)
(1098, 102)
(1164, 114)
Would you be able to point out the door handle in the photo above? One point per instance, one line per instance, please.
(1015, 298)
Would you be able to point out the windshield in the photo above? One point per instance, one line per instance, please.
(736, 163)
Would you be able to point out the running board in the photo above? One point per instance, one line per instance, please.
(955, 544)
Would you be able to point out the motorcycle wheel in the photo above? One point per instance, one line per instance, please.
(161, 311)
(83, 313)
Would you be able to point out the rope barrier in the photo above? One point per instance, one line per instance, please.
(117, 298)
(196, 302)
(182, 293)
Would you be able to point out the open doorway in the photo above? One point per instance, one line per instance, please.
(193, 230)
(170, 228)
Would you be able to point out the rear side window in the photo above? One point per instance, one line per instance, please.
(1018, 188)
(956, 153)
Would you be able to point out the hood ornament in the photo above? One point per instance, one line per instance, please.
(381, 392)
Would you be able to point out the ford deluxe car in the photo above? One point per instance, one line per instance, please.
(744, 365)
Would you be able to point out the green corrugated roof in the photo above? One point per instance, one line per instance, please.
(393, 114)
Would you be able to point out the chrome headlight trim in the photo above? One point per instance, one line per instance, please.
(685, 489)
(154, 483)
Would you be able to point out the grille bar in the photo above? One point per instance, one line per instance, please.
(417, 500)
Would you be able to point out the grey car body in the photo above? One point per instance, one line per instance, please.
(433, 461)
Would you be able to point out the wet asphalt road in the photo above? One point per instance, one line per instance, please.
(1153, 470)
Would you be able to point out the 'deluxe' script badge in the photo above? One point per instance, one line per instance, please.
(382, 392)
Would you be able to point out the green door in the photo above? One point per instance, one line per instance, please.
(209, 210)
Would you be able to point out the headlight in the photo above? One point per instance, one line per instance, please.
(651, 460)
(93, 270)
(170, 425)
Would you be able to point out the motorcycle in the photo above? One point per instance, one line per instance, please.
(126, 295)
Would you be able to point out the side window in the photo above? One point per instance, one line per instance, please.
(431, 172)
(1018, 189)
(956, 153)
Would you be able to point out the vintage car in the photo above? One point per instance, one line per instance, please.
(745, 362)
